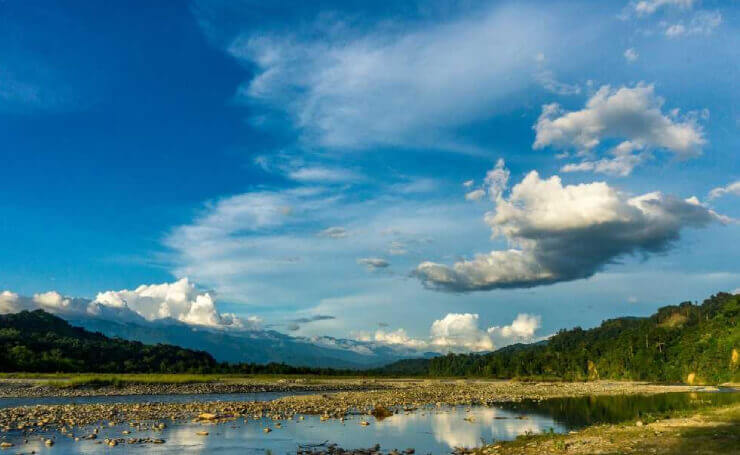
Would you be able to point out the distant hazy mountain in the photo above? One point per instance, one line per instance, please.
(258, 346)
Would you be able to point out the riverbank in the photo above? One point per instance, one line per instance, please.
(709, 432)
(37, 386)
(396, 395)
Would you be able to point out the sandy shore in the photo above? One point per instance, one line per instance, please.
(390, 394)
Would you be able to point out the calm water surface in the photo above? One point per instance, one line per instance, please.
(428, 429)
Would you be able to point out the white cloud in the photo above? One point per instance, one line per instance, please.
(397, 84)
(521, 330)
(262, 248)
(475, 195)
(631, 55)
(630, 114)
(321, 174)
(547, 79)
(457, 332)
(373, 263)
(497, 179)
(398, 337)
(460, 332)
(648, 7)
(468, 183)
(51, 300)
(702, 23)
(334, 232)
(563, 233)
(626, 156)
(179, 300)
(9, 302)
(733, 189)
(675, 30)
(494, 183)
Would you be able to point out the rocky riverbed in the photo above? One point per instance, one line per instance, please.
(27, 388)
(395, 396)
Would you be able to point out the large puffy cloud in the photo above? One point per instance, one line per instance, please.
(459, 332)
(180, 300)
(632, 115)
(521, 329)
(566, 232)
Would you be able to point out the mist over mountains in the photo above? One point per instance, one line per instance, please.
(253, 345)
(178, 314)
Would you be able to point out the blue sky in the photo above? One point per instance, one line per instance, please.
(296, 159)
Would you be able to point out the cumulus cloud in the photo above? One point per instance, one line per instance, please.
(733, 189)
(394, 84)
(460, 332)
(631, 55)
(522, 329)
(9, 302)
(373, 263)
(179, 300)
(566, 232)
(334, 232)
(398, 337)
(631, 114)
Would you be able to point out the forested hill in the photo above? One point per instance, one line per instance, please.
(40, 342)
(669, 346)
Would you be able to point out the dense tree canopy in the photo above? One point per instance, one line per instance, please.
(679, 343)
(37, 341)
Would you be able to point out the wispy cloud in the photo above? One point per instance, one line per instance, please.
(407, 85)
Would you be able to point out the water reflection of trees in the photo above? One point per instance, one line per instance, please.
(583, 411)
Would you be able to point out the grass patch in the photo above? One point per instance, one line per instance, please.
(111, 380)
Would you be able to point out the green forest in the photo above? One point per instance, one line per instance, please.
(679, 343)
(39, 342)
